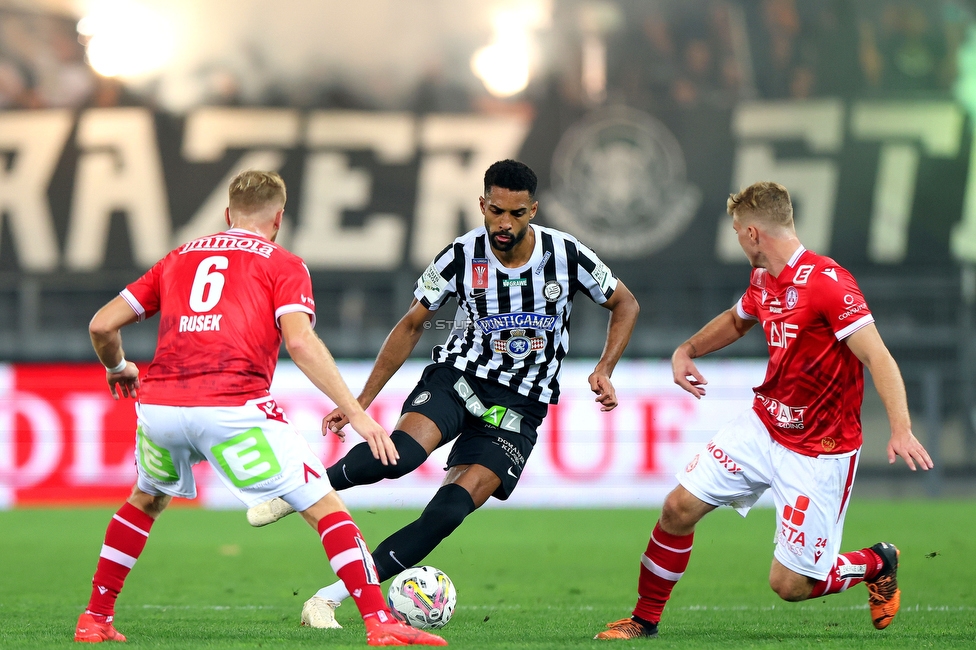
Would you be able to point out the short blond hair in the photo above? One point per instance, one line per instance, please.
(767, 201)
(253, 190)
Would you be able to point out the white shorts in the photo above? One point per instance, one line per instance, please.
(253, 448)
(810, 493)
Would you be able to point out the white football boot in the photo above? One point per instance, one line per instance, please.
(320, 612)
(268, 512)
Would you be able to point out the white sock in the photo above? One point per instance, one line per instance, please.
(336, 592)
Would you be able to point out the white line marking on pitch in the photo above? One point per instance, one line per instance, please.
(590, 608)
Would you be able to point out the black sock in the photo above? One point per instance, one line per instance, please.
(358, 467)
(647, 625)
(411, 544)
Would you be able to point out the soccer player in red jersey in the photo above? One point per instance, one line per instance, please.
(802, 436)
(225, 303)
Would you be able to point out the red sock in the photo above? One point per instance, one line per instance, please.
(351, 561)
(849, 569)
(124, 540)
(662, 564)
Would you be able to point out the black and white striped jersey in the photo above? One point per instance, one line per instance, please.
(512, 325)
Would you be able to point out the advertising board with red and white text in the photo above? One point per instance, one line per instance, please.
(65, 442)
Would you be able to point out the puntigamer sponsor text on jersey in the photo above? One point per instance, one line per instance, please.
(520, 320)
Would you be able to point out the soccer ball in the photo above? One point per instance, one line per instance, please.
(422, 597)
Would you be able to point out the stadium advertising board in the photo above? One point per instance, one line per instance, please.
(64, 441)
(876, 182)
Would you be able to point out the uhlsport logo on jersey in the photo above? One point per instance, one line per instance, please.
(618, 183)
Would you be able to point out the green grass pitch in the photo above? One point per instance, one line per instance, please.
(525, 579)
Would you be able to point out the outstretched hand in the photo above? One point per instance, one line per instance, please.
(909, 448)
(376, 437)
(686, 373)
(605, 394)
(125, 382)
(333, 423)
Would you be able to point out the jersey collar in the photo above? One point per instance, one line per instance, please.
(796, 256)
(244, 231)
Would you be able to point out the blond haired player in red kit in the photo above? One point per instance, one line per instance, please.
(225, 302)
(802, 436)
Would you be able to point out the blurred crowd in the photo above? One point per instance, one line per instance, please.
(715, 52)
(42, 64)
(659, 54)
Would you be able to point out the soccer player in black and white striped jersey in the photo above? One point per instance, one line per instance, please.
(490, 384)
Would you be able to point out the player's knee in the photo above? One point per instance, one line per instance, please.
(787, 592)
(360, 467)
(151, 504)
(676, 516)
(790, 587)
(447, 509)
(412, 454)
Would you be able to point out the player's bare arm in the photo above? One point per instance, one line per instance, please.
(726, 328)
(624, 309)
(396, 349)
(866, 344)
(314, 359)
(106, 337)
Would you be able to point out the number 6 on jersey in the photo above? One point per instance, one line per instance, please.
(206, 277)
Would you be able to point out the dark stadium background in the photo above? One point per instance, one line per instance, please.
(118, 122)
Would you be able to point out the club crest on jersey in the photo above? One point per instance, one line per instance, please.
(792, 295)
(479, 273)
(552, 291)
(518, 346)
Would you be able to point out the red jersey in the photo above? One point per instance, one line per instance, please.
(219, 300)
(811, 398)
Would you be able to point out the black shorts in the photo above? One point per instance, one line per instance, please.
(494, 425)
